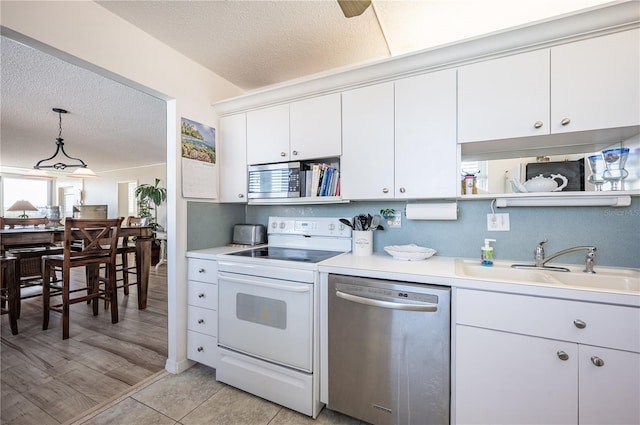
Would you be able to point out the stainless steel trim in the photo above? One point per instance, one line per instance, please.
(387, 304)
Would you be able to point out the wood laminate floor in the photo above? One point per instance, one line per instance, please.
(47, 380)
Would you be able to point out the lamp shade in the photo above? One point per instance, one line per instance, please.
(23, 206)
(83, 173)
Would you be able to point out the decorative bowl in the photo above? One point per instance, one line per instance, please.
(411, 252)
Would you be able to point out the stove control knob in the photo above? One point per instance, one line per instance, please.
(332, 227)
(283, 225)
(274, 225)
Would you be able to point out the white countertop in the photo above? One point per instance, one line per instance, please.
(440, 270)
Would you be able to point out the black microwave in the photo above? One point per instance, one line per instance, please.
(280, 180)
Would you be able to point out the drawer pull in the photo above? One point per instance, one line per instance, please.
(579, 324)
(200, 349)
(201, 270)
(200, 295)
(563, 356)
(200, 321)
(385, 190)
(597, 361)
(565, 121)
(538, 124)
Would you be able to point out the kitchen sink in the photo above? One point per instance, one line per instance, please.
(503, 272)
(605, 279)
(622, 280)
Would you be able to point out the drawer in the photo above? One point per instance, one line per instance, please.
(202, 294)
(203, 270)
(202, 348)
(603, 325)
(202, 320)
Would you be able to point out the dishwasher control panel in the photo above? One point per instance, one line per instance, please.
(386, 293)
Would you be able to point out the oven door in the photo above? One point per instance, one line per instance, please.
(266, 318)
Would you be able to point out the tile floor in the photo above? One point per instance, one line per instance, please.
(195, 397)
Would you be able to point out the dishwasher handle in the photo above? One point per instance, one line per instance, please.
(387, 304)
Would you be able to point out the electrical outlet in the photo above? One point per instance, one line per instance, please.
(397, 222)
(498, 222)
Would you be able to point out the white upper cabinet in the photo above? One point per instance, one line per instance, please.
(315, 128)
(233, 158)
(306, 129)
(426, 151)
(367, 163)
(268, 135)
(595, 83)
(504, 98)
(586, 85)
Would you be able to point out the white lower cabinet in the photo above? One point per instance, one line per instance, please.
(524, 360)
(202, 312)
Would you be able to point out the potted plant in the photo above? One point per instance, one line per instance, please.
(149, 196)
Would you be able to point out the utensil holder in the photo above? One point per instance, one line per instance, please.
(362, 243)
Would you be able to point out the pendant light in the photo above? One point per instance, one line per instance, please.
(62, 163)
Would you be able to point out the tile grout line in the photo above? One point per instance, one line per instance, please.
(94, 411)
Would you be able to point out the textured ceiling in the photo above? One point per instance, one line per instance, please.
(253, 44)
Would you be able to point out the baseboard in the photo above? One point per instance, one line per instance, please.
(180, 366)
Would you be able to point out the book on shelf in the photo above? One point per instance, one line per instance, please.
(319, 179)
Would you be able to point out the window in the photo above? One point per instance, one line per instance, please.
(33, 190)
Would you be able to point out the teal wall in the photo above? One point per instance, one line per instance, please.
(211, 224)
(614, 231)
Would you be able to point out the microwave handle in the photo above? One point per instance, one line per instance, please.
(247, 280)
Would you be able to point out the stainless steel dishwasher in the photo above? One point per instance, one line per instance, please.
(389, 350)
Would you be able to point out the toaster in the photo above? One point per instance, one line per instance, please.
(249, 234)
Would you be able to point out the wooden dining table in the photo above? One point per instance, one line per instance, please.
(30, 236)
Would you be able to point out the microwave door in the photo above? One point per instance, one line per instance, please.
(274, 181)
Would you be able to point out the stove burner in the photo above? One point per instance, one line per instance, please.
(287, 254)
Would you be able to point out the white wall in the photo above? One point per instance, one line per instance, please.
(104, 190)
(88, 35)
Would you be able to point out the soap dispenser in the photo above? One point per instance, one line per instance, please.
(487, 253)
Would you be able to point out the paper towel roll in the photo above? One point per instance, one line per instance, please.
(432, 211)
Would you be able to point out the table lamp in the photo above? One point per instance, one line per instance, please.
(23, 206)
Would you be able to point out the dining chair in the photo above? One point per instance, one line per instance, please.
(87, 243)
(128, 246)
(8, 291)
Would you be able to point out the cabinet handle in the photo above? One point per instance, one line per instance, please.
(294, 153)
(597, 361)
(200, 349)
(402, 190)
(563, 356)
(201, 270)
(240, 195)
(565, 121)
(200, 295)
(283, 154)
(538, 124)
(200, 321)
(385, 190)
(579, 324)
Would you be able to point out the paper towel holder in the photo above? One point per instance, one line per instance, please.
(431, 211)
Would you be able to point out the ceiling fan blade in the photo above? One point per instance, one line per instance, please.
(352, 8)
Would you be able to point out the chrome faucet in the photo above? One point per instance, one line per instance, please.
(541, 260)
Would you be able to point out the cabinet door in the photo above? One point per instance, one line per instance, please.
(426, 152)
(233, 158)
(367, 151)
(268, 135)
(609, 386)
(505, 378)
(504, 98)
(595, 83)
(315, 128)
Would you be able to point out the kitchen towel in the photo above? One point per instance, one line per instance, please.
(432, 211)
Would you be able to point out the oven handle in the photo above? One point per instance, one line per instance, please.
(264, 283)
(387, 304)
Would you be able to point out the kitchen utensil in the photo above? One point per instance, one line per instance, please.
(357, 225)
(375, 222)
(346, 222)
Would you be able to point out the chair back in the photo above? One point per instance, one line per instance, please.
(87, 239)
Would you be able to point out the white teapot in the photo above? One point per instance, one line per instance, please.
(545, 184)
